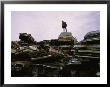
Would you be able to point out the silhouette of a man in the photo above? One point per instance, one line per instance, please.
(64, 25)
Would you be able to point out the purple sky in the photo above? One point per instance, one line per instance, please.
(46, 25)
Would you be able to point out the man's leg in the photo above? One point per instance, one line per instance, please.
(63, 29)
(66, 29)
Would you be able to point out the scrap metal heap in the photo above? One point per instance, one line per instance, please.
(25, 48)
(26, 39)
(89, 48)
(60, 57)
(87, 52)
(28, 52)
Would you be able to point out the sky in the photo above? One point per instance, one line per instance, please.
(47, 25)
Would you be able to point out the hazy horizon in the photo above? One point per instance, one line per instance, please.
(46, 25)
